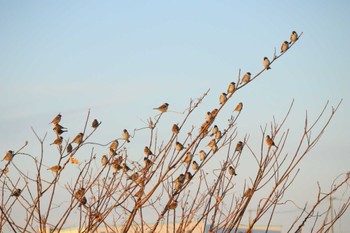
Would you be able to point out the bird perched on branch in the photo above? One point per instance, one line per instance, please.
(188, 157)
(114, 145)
(173, 205)
(223, 98)
(214, 113)
(188, 176)
(59, 129)
(175, 129)
(202, 155)
(232, 171)
(16, 192)
(266, 63)
(231, 88)
(56, 120)
(69, 148)
(126, 135)
(246, 78)
(218, 135)
(269, 141)
(284, 46)
(208, 117)
(95, 124)
(104, 160)
(293, 37)
(147, 151)
(239, 107)
(80, 193)
(162, 108)
(112, 152)
(55, 168)
(195, 165)
(179, 146)
(239, 146)
(58, 141)
(134, 176)
(8, 156)
(214, 130)
(78, 139)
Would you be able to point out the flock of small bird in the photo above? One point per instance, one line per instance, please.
(118, 164)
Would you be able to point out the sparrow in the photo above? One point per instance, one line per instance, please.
(147, 162)
(232, 171)
(214, 112)
(78, 139)
(214, 130)
(239, 107)
(9, 156)
(231, 88)
(269, 141)
(55, 168)
(178, 186)
(214, 148)
(57, 119)
(246, 78)
(202, 155)
(284, 46)
(188, 176)
(212, 143)
(208, 117)
(73, 160)
(179, 146)
(239, 146)
(134, 176)
(116, 166)
(147, 151)
(104, 160)
(248, 192)
(266, 63)
(112, 152)
(188, 157)
(293, 37)
(175, 129)
(173, 205)
(69, 148)
(180, 179)
(162, 108)
(58, 141)
(218, 135)
(80, 193)
(223, 98)
(118, 160)
(125, 167)
(95, 124)
(82, 201)
(114, 145)
(59, 129)
(195, 165)
(126, 135)
(16, 193)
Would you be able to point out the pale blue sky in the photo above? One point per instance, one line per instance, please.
(121, 59)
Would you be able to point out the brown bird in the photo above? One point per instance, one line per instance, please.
(246, 78)
(218, 135)
(116, 166)
(214, 130)
(114, 145)
(284, 46)
(104, 160)
(232, 171)
(112, 152)
(223, 98)
(57, 119)
(16, 192)
(180, 179)
(195, 165)
(239, 107)
(82, 201)
(215, 112)
(118, 160)
(5, 170)
(188, 157)
(59, 129)
(231, 88)
(163, 107)
(134, 176)
(73, 160)
(139, 193)
(248, 192)
(147, 151)
(293, 37)
(178, 186)
(202, 155)
(58, 141)
(179, 146)
(80, 193)
(239, 146)
(78, 139)
(188, 176)
(266, 63)
(212, 143)
(175, 129)
(126, 135)
(8, 156)
(173, 205)
(95, 124)
(208, 117)
(125, 167)
(148, 163)
(69, 148)
(269, 141)
(55, 168)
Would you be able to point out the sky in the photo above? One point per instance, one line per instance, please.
(120, 59)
